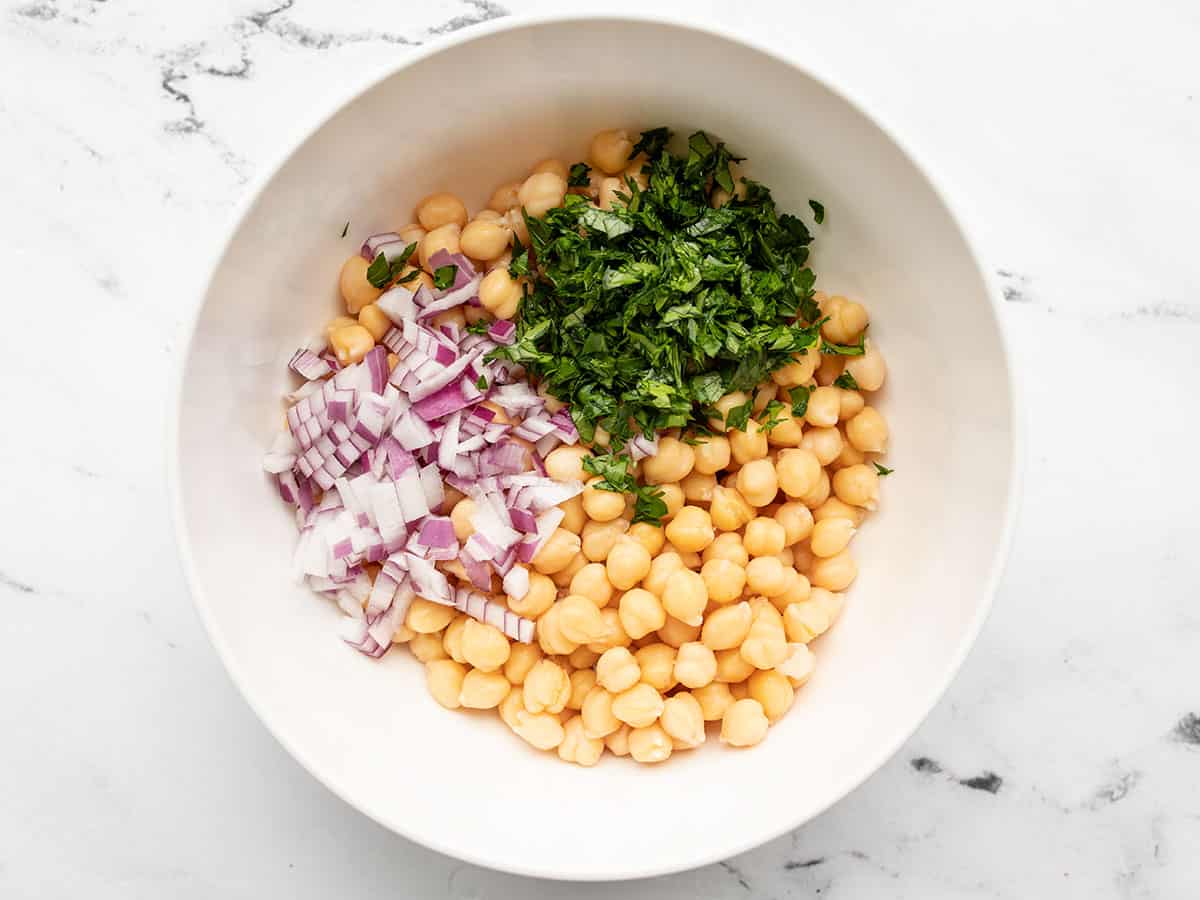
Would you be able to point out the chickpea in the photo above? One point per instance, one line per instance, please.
(578, 747)
(731, 667)
(765, 576)
(833, 508)
(695, 665)
(542, 730)
(610, 189)
(657, 664)
(729, 509)
(521, 658)
(558, 551)
(824, 443)
(452, 639)
(723, 580)
(765, 646)
(845, 323)
(802, 557)
(504, 197)
(691, 530)
(685, 596)
(744, 724)
(638, 706)
(566, 463)
(547, 687)
(689, 558)
(483, 690)
(617, 670)
(773, 692)
(868, 431)
(851, 403)
(711, 454)
(500, 293)
(677, 633)
(727, 627)
(797, 591)
(869, 370)
(592, 582)
(441, 209)
(614, 635)
(650, 744)
(649, 536)
(799, 371)
(835, 573)
(580, 620)
(799, 665)
(351, 344)
(829, 368)
(672, 496)
(857, 485)
(427, 647)
(562, 578)
(683, 720)
(788, 432)
(575, 518)
(748, 445)
(484, 239)
(445, 237)
(797, 521)
(697, 487)
(830, 601)
(338, 322)
(850, 456)
(721, 409)
(599, 538)
(818, 494)
(444, 678)
(641, 613)
(460, 518)
(356, 290)
(582, 681)
(762, 395)
(765, 537)
(602, 505)
(714, 698)
(618, 742)
(597, 715)
(610, 151)
(627, 563)
(513, 703)
(727, 545)
(425, 617)
(484, 646)
(672, 461)
(549, 633)
(798, 471)
(661, 568)
(372, 318)
(823, 406)
(541, 192)
(831, 536)
(553, 166)
(805, 621)
(456, 317)
(539, 598)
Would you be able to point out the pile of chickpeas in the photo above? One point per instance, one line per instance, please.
(647, 635)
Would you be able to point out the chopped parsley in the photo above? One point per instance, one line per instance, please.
(832, 349)
(846, 380)
(346, 229)
(614, 470)
(774, 414)
(883, 471)
(481, 382)
(818, 209)
(443, 276)
(480, 327)
(799, 398)
(381, 273)
(578, 176)
(737, 417)
(644, 315)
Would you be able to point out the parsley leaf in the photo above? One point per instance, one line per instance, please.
(818, 209)
(830, 348)
(737, 417)
(578, 175)
(799, 398)
(775, 415)
(480, 327)
(411, 276)
(443, 276)
(381, 273)
(481, 382)
(883, 471)
(346, 229)
(652, 143)
(846, 380)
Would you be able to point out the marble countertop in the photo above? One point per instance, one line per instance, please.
(1063, 762)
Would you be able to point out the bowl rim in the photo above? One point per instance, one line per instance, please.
(304, 131)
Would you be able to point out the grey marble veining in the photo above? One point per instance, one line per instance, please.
(1063, 762)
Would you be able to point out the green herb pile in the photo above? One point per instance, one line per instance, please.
(643, 316)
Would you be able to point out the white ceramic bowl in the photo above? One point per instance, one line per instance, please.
(505, 97)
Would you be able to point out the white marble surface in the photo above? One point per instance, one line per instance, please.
(1064, 761)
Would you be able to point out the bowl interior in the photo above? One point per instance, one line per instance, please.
(466, 118)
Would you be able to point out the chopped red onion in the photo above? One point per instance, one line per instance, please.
(370, 247)
(309, 365)
(503, 331)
